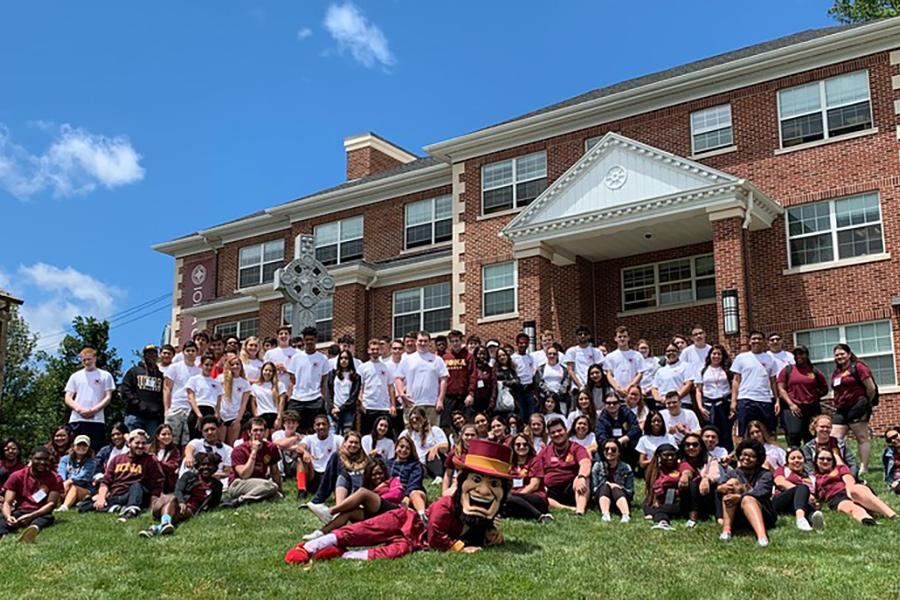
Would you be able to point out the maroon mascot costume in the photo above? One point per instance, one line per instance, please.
(463, 522)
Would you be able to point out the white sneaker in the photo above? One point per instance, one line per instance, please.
(818, 521)
(803, 524)
(663, 526)
(762, 542)
(437, 481)
(624, 519)
(546, 518)
(315, 534)
(606, 518)
(61, 508)
(725, 536)
(690, 524)
(321, 511)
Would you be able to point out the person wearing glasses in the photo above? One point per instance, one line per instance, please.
(618, 423)
(891, 459)
(700, 477)
(612, 481)
(747, 494)
(695, 354)
(836, 486)
(674, 376)
(527, 498)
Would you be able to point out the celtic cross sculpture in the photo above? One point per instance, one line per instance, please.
(304, 282)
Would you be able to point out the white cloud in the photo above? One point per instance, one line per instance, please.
(76, 162)
(352, 31)
(304, 33)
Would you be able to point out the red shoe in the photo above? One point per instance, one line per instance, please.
(297, 555)
(328, 553)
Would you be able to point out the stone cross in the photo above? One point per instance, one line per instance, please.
(304, 282)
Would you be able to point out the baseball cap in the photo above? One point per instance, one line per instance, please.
(82, 439)
(492, 344)
(136, 432)
(151, 348)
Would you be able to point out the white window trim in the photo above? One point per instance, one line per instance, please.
(340, 238)
(709, 129)
(422, 310)
(823, 110)
(693, 302)
(237, 324)
(262, 263)
(514, 183)
(842, 332)
(434, 221)
(833, 229)
(514, 288)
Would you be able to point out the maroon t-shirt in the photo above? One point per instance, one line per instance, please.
(849, 391)
(125, 470)
(832, 483)
(522, 475)
(461, 367)
(792, 476)
(806, 384)
(267, 455)
(26, 485)
(561, 468)
(665, 482)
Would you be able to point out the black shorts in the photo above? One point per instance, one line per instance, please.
(563, 493)
(770, 517)
(858, 412)
(835, 500)
(308, 412)
(385, 506)
(269, 418)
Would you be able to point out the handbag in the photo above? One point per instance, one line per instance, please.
(506, 402)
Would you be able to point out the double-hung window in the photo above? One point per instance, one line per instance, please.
(242, 329)
(428, 221)
(834, 230)
(824, 109)
(711, 129)
(669, 283)
(257, 264)
(498, 285)
(425, 308)
(340, 241)
(513, 183)
(871, 342)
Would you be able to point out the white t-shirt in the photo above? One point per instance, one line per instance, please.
(308, 370)
(322, 450)
(435, 436)
(695, 356)
(686, 417)
(206, 390)
(340, 391)
(718, 453)
(179, 374)
(281, 356)
(552, 375)
(230, 406)
(648, 444)
(286, 452)
(755, 371)
(252, 369)
(589, 440)
(114, 453)
(649, 367)
(714, 381)
(775, 456)
(582, 358)
(333, 362)
(265, 398)
(624, 365)
(422, 373)
(200, 445)
(384, 447)
(539, 358)
(782, 359)
(89, 388)
(670, 378)
(524, 366)
(570, 419)
(376, 377)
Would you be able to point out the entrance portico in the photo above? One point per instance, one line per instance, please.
(624, 198)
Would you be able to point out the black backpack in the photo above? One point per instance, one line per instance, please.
(876, 397)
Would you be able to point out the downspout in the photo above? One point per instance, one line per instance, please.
(745, 234)
(370, 302)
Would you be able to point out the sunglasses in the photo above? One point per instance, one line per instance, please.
(691, 445)
(612, 449)
(520, 445)
(613, 403)
(825, 458)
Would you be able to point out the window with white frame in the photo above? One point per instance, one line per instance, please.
(669, 283)
(425, 308)
(324, 316)
(257, 264)
(824, 109)
(513, 183)
(834, 230)
(591, 142)
(498, 289)
(242, 329)
(871, 342)
(340, 241)
(428, 221)
(711, 128)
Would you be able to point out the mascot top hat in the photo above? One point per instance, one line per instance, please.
(487, 458)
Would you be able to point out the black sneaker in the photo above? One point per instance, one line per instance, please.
(231, 503)
(869, 521)
(302, 495)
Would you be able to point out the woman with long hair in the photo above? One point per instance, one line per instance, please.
(775, 455)
(836, 486)
(59, 444)
(654, 436)
(236, 393)
(584, 406)
(343, 384)
(77, 469)
(552, 378)
(11, 459)
(268, 397)
(406, 465)
(499, 434)
(649, 367)
(430, 442)
(674, 376)
(485, 383)
(712, 392)
(115, 447)
(352, 462)
(380, 442)
(250, 357)
(855, 394)
(695, 480)
(793, 493)
(537, 429)
(597, 386)
(665, 500)
(508, 384)
(527, 499)
(459, 451)
(634, 401)
(613, 482)
(581, 433)
(167, 455)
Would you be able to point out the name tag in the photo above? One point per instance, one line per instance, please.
(836, 382)
(617, 431)
(39, 496)
(518, 482)
(480, 383)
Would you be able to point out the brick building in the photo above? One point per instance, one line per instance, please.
(769, 175)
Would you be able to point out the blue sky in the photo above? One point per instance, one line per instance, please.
(127, 124)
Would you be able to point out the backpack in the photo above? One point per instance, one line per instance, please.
(876, 397)
(816, 373)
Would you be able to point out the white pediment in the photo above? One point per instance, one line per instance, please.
(616, 172)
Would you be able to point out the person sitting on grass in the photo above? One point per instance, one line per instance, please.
(612, 481)
(197, 490)
(891, 459)
(380, 441)
(793, 493)
(407, 466)
(343, 473)
(11, 461)
(132, 481)
(466, 434)
(378, 494)
(747, 494)
(117, 445)
(821, 427)
(537, 428)
(665, 499)
(654, 435)
(31, 494)
(77, 469)
(775, 455)
(499, 432)
(167, 455)
(209, 429)
(836, 486)
(255, 475)
(680, 421)
(618, 423)
(288, 441)
(580, 432)
(710, 435)
(567, 470)
(316, 451)
(59, 444)
(527, 499)
(430, 442)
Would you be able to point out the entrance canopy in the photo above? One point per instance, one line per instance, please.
(624, 197)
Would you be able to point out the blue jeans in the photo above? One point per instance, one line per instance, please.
(525, 400)
(148, 424)
(751, 410)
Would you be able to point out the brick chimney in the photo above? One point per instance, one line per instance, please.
(368, 154)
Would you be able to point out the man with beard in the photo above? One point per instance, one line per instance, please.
(464, 522)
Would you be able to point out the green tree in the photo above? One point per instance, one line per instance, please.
(861, 11)
(19, 417)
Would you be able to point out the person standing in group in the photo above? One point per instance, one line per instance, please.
(623, 365)
(524, 366)
(801, 387)
(377, 390)
(342, 385)
(581, 356)
(539, 357)
(142, 391)
(88, 391)
(250, 357)
(398, 352)
(280, 356)
(268, 397)
(235, 397)
(461, 380)
(175, 401)
(712, 392)
(30, 496)
(166, 357)
(649, 367)
(855, 394)
(776, 350)
(422, 380)
(675, 376)
(200, 340)
(307, 371)
(485, 384)
(204, 395)
(753, 389)
(695, 354)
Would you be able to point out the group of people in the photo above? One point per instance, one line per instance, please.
(225, 421)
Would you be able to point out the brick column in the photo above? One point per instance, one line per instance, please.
(535, 297)
(730, 255)
(351, 313)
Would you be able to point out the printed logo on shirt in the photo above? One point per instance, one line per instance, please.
(129, 467)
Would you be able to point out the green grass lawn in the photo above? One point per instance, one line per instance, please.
(232, 553)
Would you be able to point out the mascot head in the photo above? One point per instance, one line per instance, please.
(483, 481)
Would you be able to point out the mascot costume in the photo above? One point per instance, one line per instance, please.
(464, 522)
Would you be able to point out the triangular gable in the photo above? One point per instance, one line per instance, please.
(617, 171)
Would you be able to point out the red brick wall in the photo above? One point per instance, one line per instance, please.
(366, 161)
